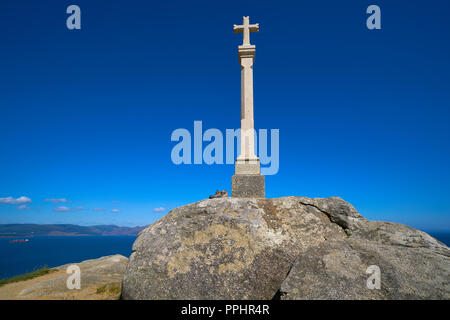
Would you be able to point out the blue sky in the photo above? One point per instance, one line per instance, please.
(86, 115)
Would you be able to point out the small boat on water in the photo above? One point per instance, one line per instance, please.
(19, 241)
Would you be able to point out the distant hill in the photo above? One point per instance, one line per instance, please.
(29, 230)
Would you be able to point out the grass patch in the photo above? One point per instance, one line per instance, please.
(27, 276)
(101, 289)
(112, 289)
(115, 289)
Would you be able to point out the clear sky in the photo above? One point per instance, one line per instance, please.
(86, 115)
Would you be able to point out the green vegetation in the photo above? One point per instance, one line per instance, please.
(101, 289)
(113, 289)
(27, 276)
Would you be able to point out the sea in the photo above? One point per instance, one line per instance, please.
(53, 251)
(443, 237)
(20, 258)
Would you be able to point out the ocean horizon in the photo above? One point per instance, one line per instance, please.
(54, 251)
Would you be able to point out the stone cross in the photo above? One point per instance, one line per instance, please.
(247, 162)
(247, 181)
(246, 28)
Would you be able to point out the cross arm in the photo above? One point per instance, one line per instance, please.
(238, 29)
(254, 27)
(241, 28)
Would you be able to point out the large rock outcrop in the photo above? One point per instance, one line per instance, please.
(286, 248)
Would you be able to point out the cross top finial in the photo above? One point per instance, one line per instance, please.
(246, 28)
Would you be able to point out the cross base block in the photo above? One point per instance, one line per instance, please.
(248, 186)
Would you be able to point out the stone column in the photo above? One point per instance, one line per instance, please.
(247, 162)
